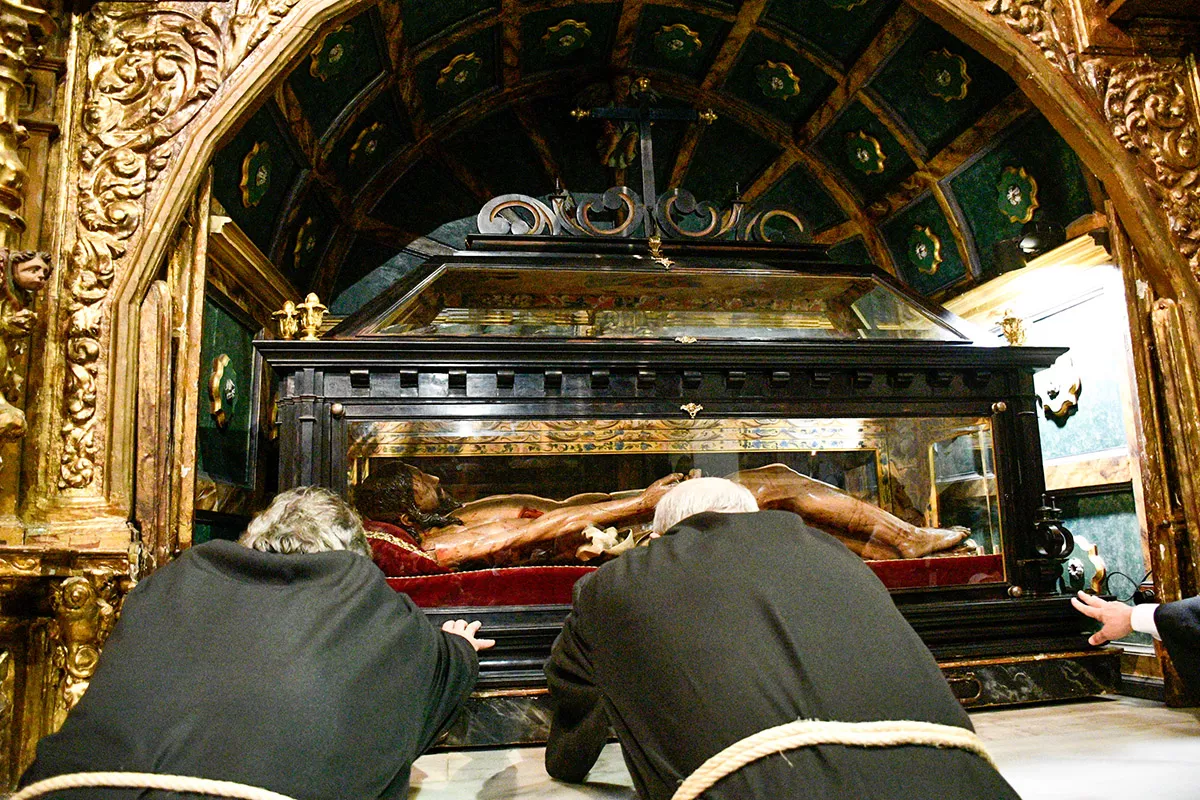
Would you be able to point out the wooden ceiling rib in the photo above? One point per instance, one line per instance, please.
(839, 69)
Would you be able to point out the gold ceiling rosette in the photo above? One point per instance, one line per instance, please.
(566, 37)
(256, 174)
(865, 153)
(1017, 194)
(945, 75)
(461, 73)
(924, 249)
(306, 242)
(776, 80)
(333, 53)
(677, 42)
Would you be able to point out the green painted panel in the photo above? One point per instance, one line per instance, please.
(308, 236)
(426, 18)
(652, 46)
(543, 48)
(835, 144)
(842, 34)
(898, 234)
(425, 197)
(1034, 146)
(370, 142)
(209, 529)
(1096, 340)
(771, 88)
(498, 152)
(920, 65)
(266, 173)
(851, 251)
(798, 189)
(463, 71)
(728, 156)
(341, 64)
(225, 453)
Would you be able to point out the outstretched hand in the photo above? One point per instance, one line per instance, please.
(467, 630)
(1113, 617)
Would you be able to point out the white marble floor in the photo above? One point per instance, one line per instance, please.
(1105, 749)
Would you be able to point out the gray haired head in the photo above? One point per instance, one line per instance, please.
(307, 519)
(701, 494)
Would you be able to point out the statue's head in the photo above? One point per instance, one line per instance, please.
(698, 495)
(307, 519)
(29, 270)
(401, 494)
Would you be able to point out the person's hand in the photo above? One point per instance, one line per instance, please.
(1113, 617)
(467, 630)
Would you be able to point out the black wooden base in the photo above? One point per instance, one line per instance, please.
(522, 717)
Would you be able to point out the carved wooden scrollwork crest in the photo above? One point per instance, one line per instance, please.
(152, 68)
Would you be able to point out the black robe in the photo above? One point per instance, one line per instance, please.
(303, 674)
(735, 623)
(1179, 626)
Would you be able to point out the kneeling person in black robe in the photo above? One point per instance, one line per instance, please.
(737, 622)
(284, 661)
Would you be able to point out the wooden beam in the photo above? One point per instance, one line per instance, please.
(893, 32)
(747, 20)
(466, 177)
(525, 116)
(838, 233)
(510, 42)
(970, 142)
(627, 23)
(769, 176)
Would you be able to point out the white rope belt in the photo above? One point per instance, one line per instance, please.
(810, 732)
(146, 780)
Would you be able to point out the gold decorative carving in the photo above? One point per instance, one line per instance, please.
(1013, 328)
(656, 253)
(312, 312)
(85, 608)
(1152, 115)
(150, 72)
(1045, 23)
(692, 409)
(288, 320)
(25, 275)
(216, 392)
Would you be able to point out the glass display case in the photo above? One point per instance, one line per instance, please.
(554, 370)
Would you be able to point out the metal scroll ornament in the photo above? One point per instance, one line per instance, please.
(620, 213)
(1016, 194)
(566, 37)
(924, 249)
(945, 75)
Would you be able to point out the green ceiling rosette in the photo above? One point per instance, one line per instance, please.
(777, 80)
(333, 53)
(677, 42)
(865, 153)
(945, 75)
(366, 144)
(256, 174)
(1016, 194)
(566, 37)
(924, 249)
(461, 73)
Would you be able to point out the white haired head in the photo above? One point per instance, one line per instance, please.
(701, 494)
(307, 519)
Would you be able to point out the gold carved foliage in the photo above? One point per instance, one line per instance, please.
(150, 70)
(85, 609)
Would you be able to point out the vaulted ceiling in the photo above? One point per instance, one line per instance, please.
(895, 143)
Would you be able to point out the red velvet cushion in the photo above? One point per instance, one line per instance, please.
(391, 556)
(508, 586)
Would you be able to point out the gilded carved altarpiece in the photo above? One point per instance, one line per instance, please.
(149, 89)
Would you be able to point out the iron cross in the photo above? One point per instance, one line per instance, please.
(645, 114)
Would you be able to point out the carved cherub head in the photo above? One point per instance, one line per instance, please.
(28, 271)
